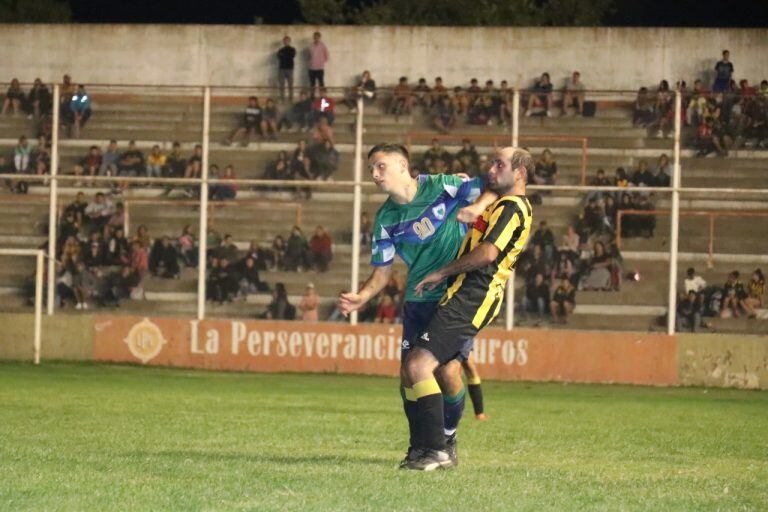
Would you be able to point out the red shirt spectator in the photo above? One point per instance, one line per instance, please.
(386, 312)
(139, 259)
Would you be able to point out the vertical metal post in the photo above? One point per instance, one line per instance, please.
(357, 205)
(675, 223)
(510, 310)
(52, 206)
(203, 241)
(126, 219)
(38, 305)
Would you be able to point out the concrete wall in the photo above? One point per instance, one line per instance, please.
(68, 337)
(609, 58)
(722, 360)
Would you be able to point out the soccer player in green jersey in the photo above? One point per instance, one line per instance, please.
(421, 221)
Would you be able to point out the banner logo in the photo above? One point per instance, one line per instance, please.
(145, 340)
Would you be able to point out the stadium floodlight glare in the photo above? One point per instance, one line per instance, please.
(39, 257)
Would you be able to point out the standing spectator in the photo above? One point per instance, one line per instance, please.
(81, 110)
(14, 99)
(444, 116)
(689, 312)
(253, 122)
(21, 156)
(309, 303)
(280, 308)
(295, 250)
(318, 56)
(155, 162)
(536, 297)
(723, 73)
(285, 58)
(163, 259)
(563, 301)
(39, 100)
(386, 312)
(755, 292)
(541, 96)
(402, 99)
(644, 112)
(573, 96)
(92, 162)
(320, 249)
(546, 169)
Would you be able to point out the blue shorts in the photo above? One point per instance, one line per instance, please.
(416, 318)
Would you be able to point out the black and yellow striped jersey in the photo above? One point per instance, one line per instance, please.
(506, 224)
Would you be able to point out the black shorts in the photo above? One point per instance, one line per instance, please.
(416, 318)
(450, 333)
(254, 124)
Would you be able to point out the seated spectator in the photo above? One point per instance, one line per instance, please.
(599, 272)
(642, 177)
(322, 132)
(402, 99)
(278, 253)
(713, 134)
(221, 190)
(460, 101)
(95, 256)
(693, 282)
(91, 163)
(421, 94)
(563, 267)
(543, 237)
(68, 227)
(14, 99)
(541, 96)
(469, 157)
(187, 246)
(386, 312)
(320, 250)
(444, 116)
(733, 295)
(280, 308)
(621, 179)
(697, 105)
(300, 162)
(474, 93)
(155, 162)
(253, 122)
(323, 106)
(663, 172)
(278, 169)
(227, 250)
(121, 284)
(98, 212)
(21, 156)
(270, 123)
(644, 113)
(365, 89)
(117, 249)
(563, 301)
(435, 152)
(536, 297)
(665, 110)
(85, 285)
(594, 216)
(573, 95)
(222, 284)
(249, 279)
(78, 207)
(299, 114)
(39, 100)
(755, 292)
(295, 257)
(259, 256)
(142, 237)
(309, 303)
(571, 243)
(81, 110)
(646, 224)
(545, 172)
(41, 153)
(610, 212)
(599, 180)
(109, 160)
(324, 160)
(438, 167)
(534, 263)
(689, 311)
(438, 91)
(163, 259)
(71, 253)
(483, 111)
(139, 259)
(131, 162)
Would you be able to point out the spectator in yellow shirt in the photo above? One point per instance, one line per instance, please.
(155, 162)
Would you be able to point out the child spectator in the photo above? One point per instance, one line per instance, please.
(563, 301)
(14, 99)
(689, 312)
(308, 304)
(320, 249)
(21, 156)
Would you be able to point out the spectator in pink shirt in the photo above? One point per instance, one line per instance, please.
(318, 56)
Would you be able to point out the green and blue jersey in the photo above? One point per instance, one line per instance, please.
(425, 232)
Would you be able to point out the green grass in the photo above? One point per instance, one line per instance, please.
(88, 437)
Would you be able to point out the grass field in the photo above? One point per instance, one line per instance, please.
(85, 437)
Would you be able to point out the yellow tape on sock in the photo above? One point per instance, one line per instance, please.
(410, 394)
(474, 381)
(426, 387)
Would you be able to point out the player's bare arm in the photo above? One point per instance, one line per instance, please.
(474, 210)
(479, 257)
(349, 302)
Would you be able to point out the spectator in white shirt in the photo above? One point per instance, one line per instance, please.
(694, 282)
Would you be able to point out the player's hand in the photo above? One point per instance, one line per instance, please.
(430, 282)
(349, 302)
(469, 214)
(464, 176)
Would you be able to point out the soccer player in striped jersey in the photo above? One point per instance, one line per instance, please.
(421, 221)
(473, 299)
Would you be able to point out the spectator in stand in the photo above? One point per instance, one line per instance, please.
(421, 94)
(78, 207)
(444, 116)
(386, 312)
(227, 250)
(39, 100)
(121, 284)
(733, 295)
(325, 160)
(601, 271)
(365, 89)
(469, 157)
(295, 258)
(131, 162)
(644, 109)
(258, 255)
(711, 135)
(223, 191)
(187, 247)
(435, 152)
(611, 211)
(155, 162)
(546, 169)
(541, 96)
(318, 56)
(85, 285)
(322, 132)
(299, 114)
(21, 156)
(309, 303)
(98, 212)
(280, 308)
(195, 163)
(249, 279)
(81, 110)
(723, 73)
(285, 59)
(117, 219)
(109, 159)
(68, 227)
(278, 253)
(270, 123)
(224, 281)
(365, 231)
(694, 282)
(536, 297)
(278, 169)
(599, 180)
(697, 105)
(320, 250)
(593, 216)
(402, 99)
(323, 106)
(665, 110)
(139, 258)
(534, 263)
(543, 237)
(755, 292)
(95, 256)
(563, 301)
(91, 162)
(663, 172)
(573, 96)
(689, 311)
(482, 112)
(473, 92)
(118, 251)
(460, 100)
(142, 236)
(562, 267)
(253, 122)
(571, 244)
(163, 259)
(14, 99)
(41, 153)
(642, 177)
(300, 162)
(438, 91)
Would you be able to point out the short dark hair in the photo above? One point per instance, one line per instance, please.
(690, 272)
(390, 148)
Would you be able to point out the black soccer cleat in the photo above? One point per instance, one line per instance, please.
(453, 453)
(431, 461)
(413, 455)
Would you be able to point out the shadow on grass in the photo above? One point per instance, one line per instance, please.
(202, 456)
